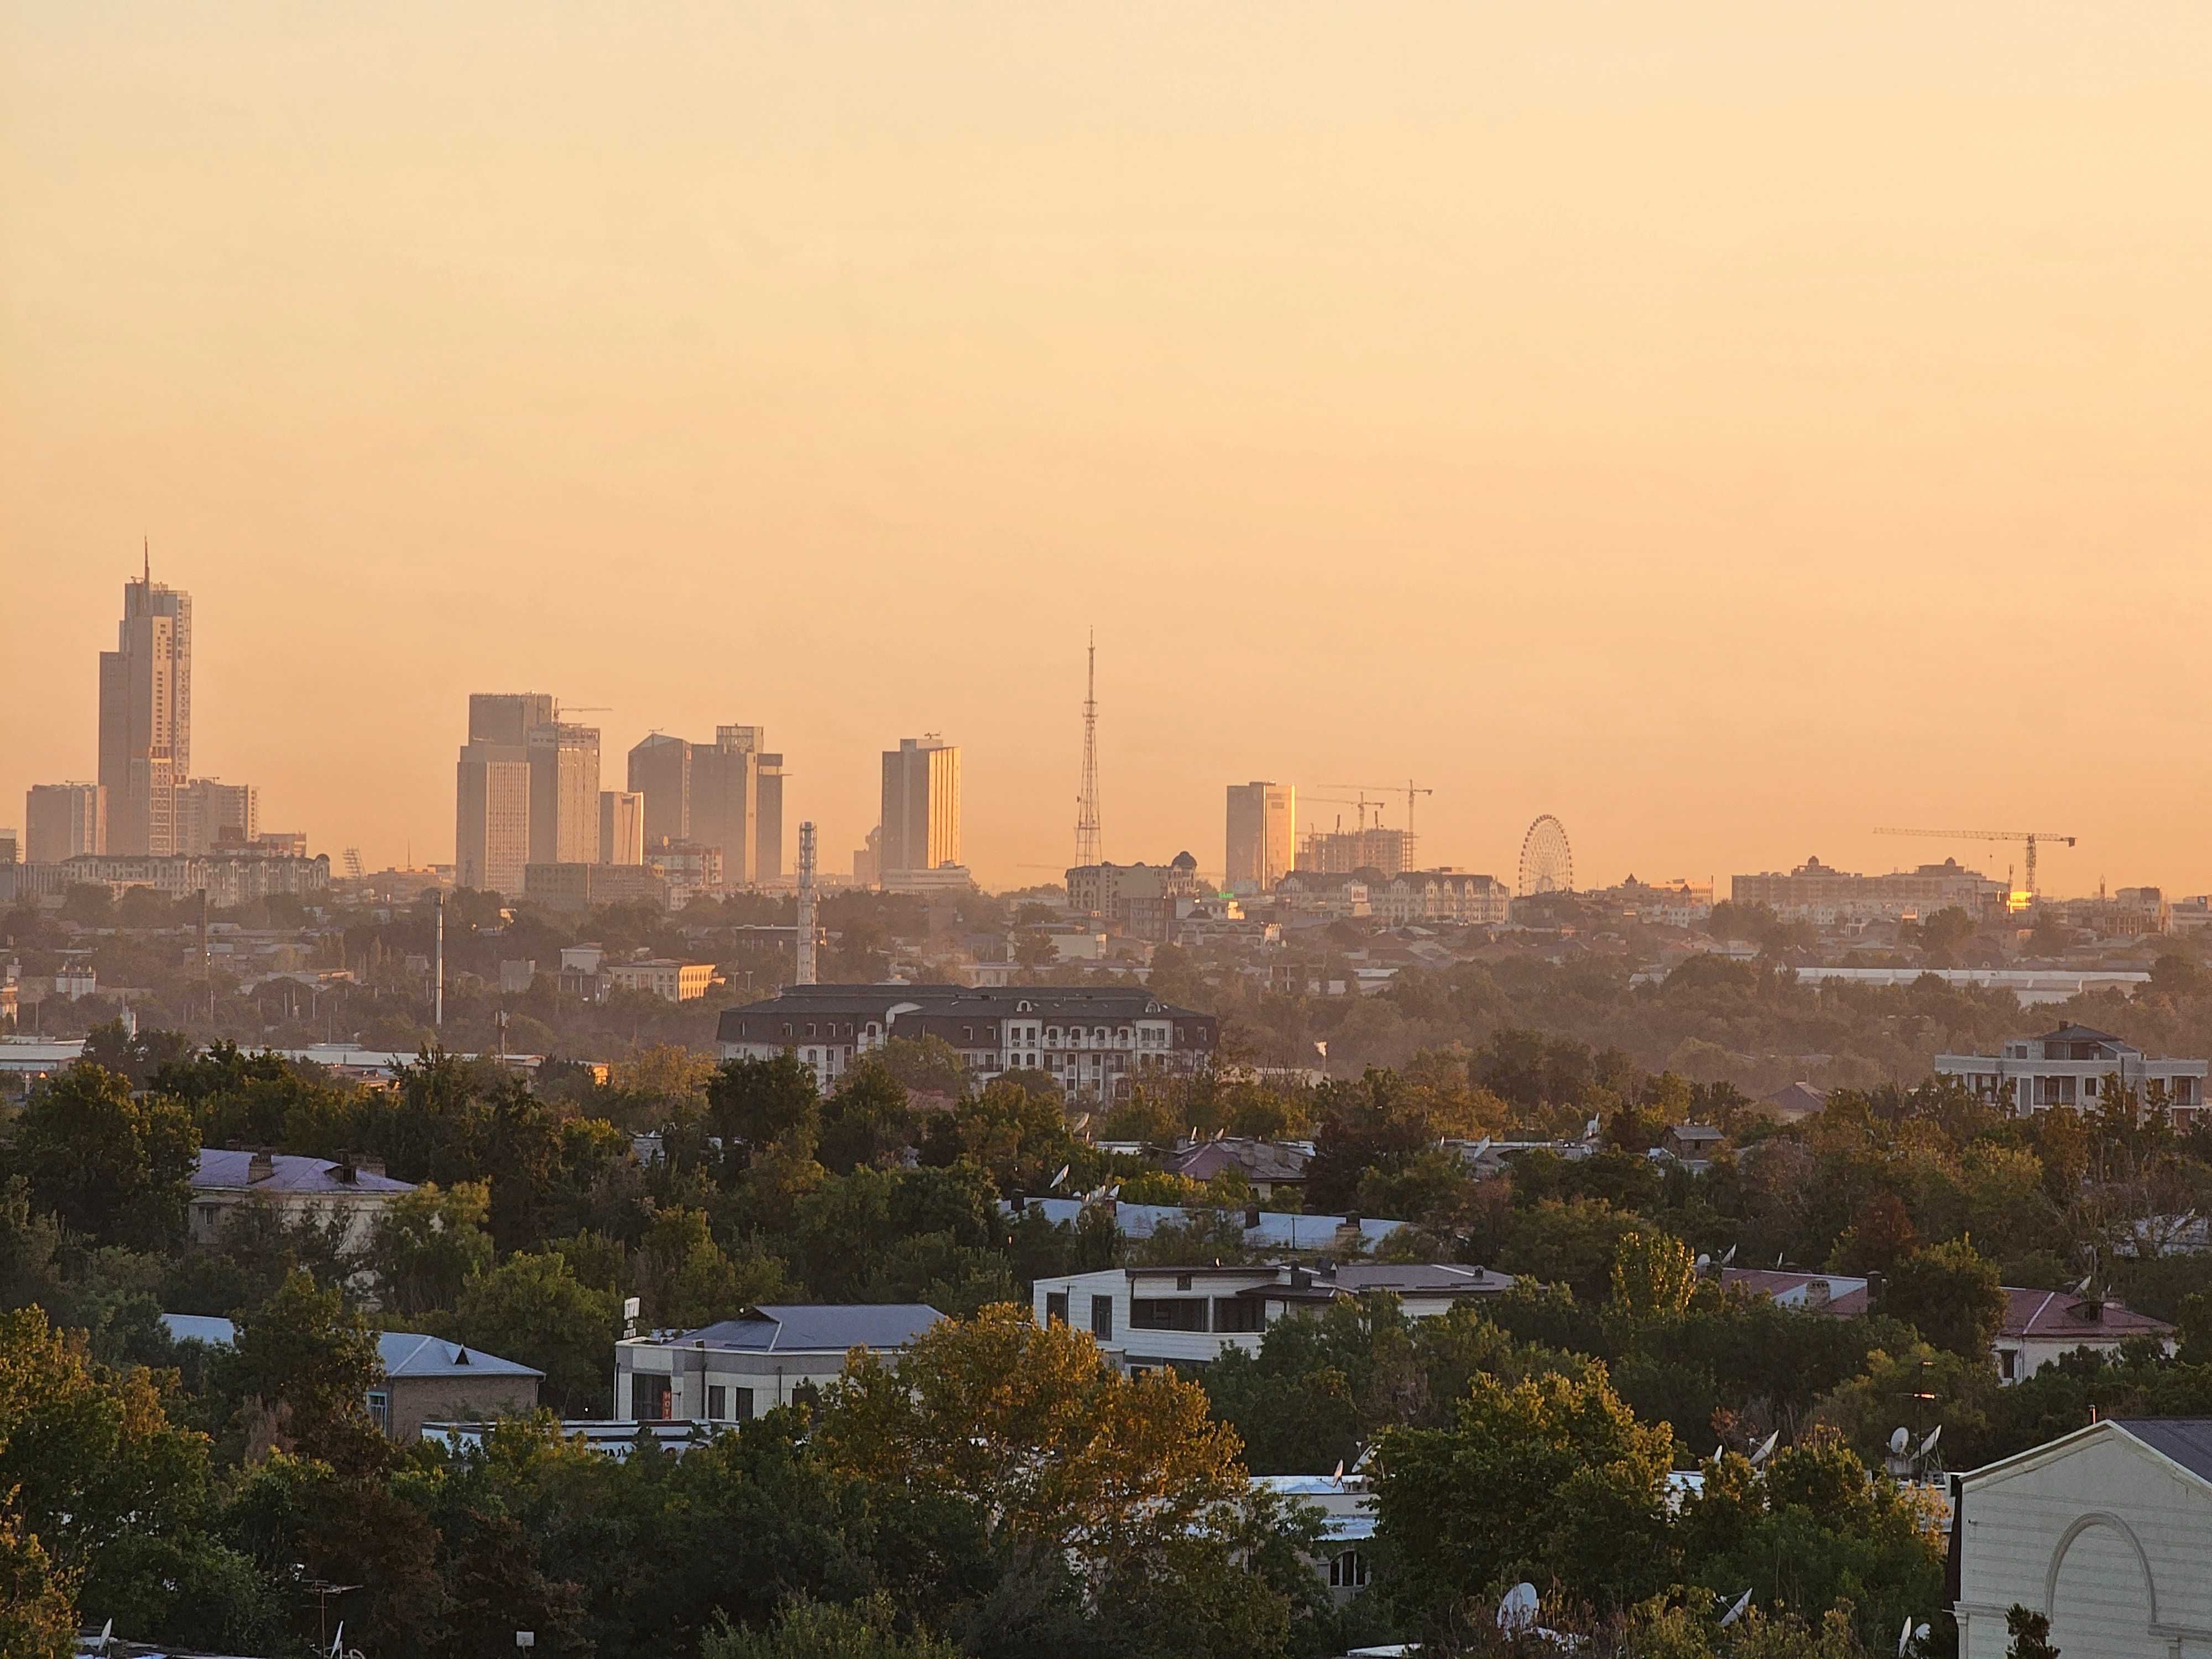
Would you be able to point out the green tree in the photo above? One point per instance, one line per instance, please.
(1950, 1293)
(2031, 1634)
(867, 1120)
(754, 1101)
(37, 1606)
(809, 1630)
(1551, 1479)
(1653, 1273)
(428, 1243)
(310, 1361)
(110, 1165)
(532, 1309)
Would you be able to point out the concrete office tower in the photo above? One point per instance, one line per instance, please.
(1262, 841)
(507, 717)
(63, 821)
(725, 799)
(622, 827)
(146, 716)
(491, 814)
(564, 793)
(660, 770)
(921, 805)
(212, 814)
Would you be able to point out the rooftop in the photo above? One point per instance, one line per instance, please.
(233, 1171)
(2060, 1314)
(2185, 1440)
(815, 1328)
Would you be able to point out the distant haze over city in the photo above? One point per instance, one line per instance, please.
(1412, 404)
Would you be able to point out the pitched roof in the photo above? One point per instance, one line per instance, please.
(818, 1327)
(2080, 1034)
(2186, 1440)
(407, 1354)
(2060, 1315)
(1262, 1160)
(229, 1171)
(216, 1332)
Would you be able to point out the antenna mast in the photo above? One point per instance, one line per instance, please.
(1086, 807)
(803, 968)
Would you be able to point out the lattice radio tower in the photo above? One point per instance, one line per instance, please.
(803, 957)
(1086, 804)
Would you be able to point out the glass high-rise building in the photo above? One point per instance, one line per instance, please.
(146, 717)
(921, 806)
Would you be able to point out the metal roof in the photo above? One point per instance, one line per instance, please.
(817, 1328)
(405, 1354)
(2184, 1440)
(2060, 1314)
(229, 1171)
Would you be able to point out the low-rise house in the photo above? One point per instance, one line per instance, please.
(1347, 1503)
(1272, 1167)
(423, 1377)
(1147, 1317)
(2042, 1327)
(1264, 1230)
(733, 1371)
(349, 1195)
(1840, 1294)
(2105, 1531)
(1693, 1143)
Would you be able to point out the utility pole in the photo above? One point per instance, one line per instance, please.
(438, 994)
(803, 948)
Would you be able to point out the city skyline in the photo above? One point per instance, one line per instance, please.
(1430, 401)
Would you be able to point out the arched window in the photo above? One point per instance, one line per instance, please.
(1347, 1570)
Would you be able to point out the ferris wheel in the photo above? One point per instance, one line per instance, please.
(1547, 862)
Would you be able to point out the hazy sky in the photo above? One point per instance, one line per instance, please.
(1726, 427)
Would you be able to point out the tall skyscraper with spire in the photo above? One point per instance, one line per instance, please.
(146, 716)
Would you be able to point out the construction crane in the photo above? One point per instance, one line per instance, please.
(2031, 837)
(1408, 789)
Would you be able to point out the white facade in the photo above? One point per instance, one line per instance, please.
(2069, 1067)
(1147, 1317)
(1449, 896)
(2107, 1532)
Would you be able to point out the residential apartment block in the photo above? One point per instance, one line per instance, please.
(63, 821)
(1145, 901)
(1825, 897)
(1148, 1317)
(2069, 1067)
(1095, 1041)
(1440, 895)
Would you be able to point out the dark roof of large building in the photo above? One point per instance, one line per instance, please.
(818, 1328)
(2081, 1033)
(2186, 1440)
(1261, 1160)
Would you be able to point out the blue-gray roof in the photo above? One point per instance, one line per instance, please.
(2185, 1440)
(225, 1170)
(404, 1353)
(216, 1333)
(819, 1327)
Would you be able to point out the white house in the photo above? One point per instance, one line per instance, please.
(350, 1196)
(2041, 1327)
(2107, 1532)
(2067, 1067)
(734, 1369)
(1145, 1317)
(1347, 1503)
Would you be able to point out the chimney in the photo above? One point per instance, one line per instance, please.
(259, 1167)
(369, 1165)
(1816, 1295)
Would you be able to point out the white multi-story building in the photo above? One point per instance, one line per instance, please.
(2070, 1067)
(733, 1370)
(1147, 1317)
(1095, 1041)
(1826, 897)
(1447, 895)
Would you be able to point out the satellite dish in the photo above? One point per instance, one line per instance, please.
(106, 1631)
(1928, 1444)
(1704, 1264)
(1339, 1476)
(1366, 1452)
(1765, 1449)
(1517, 1609)
(2082, 1289)
(1719, 1452)
(1062, 1176)
(1904, 1636)
(338, 1642)
(1480, 1147)
(1735, 1612)
(1590, 1129)
(1114, 1191)
(1899, 1440)
(1729, 1257)
(1082, 1120)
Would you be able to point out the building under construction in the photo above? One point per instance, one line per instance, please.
(1339, 852)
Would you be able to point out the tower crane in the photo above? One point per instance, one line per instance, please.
(1408, 789)
(2030, 836)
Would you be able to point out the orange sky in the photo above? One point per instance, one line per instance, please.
(1726, 427)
